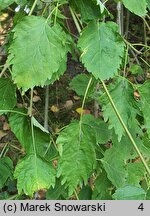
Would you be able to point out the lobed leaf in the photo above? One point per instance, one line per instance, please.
(77, 155)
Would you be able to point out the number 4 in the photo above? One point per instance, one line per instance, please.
(141, 207)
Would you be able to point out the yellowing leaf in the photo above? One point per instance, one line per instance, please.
(37, 52)
(79, 110)
(82, 111)
(33, 173)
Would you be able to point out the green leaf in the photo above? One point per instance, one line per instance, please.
(8, 94)
(5, 3)
(100, 128)
(58, 192)
(85, 193)
(103, 55)
(57, 75)
(129, 192)
(144, 91)
(21, 127)
(148, 4)
(123, 98)
(136, 172)
(79, 84)
(136, 69)
(21, 2)
(4, 195)
(70, 47)
(146, 143)
(33, 173)
(148, 194)
(137, 7)
(37, 52)
(78, 156)
(102, 188)
(115, 161)
(88, 9)
(118, 162)
(6, 170)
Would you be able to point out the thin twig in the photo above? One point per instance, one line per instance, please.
(31, 101)
(4, 69)
(32, 8)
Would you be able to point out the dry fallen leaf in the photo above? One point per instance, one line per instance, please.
(35, 92)
(68, 104)
(76, 97)
(6, 126)
(54, 109)
(20, 105)
(36, 99)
